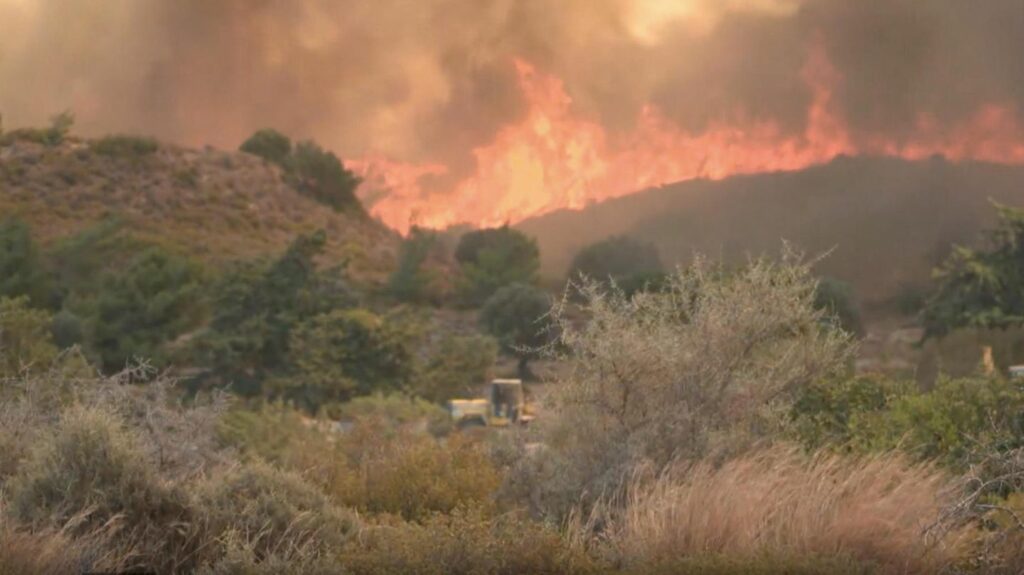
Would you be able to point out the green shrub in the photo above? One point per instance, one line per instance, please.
(319, 174)
(54, 135)
(420, 276)
(277, 510)
(462, 543)
(21, 265)
(25, 340)
(616, 259)
(122, 146)
(270, 145)
(456, 368)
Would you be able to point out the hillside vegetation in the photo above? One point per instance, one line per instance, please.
(887, 222)
(215, 205)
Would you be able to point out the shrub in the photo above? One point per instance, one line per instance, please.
(321, 175)
(277, 511)
(456, 368)
(419, 277)
(343, 354)
(836, 298)
(463, 543)
(617, 258)
(92, 474)
(395, 412)
(701, 368)
(875, 510)
(25, 339)
(21, 267)
(270, 145)
(833, 412)
(122, 146)
(415, 477)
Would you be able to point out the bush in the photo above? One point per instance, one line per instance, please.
(276, 510)
(270, 145)
(458, 366)
(616, 259)
(122, 146)
(874, 510)
(91, 474)
(493, 258)
(420, 276)
(25, 340)
(463, 543)
(836, 298)
(344, 354)
(321, 175)
(699, 369)
(21, 267)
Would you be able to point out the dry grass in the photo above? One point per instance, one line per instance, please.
(778, 501)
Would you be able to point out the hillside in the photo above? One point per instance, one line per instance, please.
(887, 221)
(214, 204)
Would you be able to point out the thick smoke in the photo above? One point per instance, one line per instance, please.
(428, 80)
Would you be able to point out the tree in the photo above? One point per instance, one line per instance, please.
(413, 281)
(137, 311)
(256, 305)
(981, 288)
(321, 175)
(25, 343)
(835, 297)
(21, 268)
(618, 258)
(271, 145)
(493, 258)
(459, 364)
(344, 354)
(517, 315)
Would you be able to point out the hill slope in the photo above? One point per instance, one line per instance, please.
(888, 220)
(214, 204)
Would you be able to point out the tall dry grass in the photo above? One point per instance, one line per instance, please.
(779, 501)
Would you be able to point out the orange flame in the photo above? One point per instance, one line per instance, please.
(552, 159)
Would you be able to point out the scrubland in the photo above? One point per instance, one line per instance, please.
(710, 427)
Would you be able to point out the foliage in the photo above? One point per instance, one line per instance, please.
(493, 258)
(517, 315)
(21, 266)
(981, 288)
(92, 473)
(343, 354)
(456, 368)
(270, 145)
(834, 411)
(395, 411)
(836, 298)
(140, 309)
(123, 146)
(322, 176)
(699, 369)
(277, 509)
(616, 258)
(25, 342)
(466, 542)
(256, 306)
(413, 281)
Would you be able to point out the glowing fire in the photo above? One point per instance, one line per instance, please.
(552, 159)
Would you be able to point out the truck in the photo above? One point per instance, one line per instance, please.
(503, 404)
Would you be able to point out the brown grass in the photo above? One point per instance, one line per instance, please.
(779, 501)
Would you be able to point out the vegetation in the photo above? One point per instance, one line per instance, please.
(122, 146)
(413, 281)
(836, 298)
(981, 288)
(494, 258)
(271, 145)
(21, 267)
(618, 259)
(517, 315)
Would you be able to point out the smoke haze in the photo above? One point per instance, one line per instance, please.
(429, 81)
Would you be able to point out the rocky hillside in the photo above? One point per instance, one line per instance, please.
(214, 204)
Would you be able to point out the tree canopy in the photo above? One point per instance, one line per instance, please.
(517, 316)
(618, 258)
(493, 258)
(984, 287)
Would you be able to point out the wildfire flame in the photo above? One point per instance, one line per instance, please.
(553, 159)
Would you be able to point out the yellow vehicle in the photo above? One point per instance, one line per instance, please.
(503, 404)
